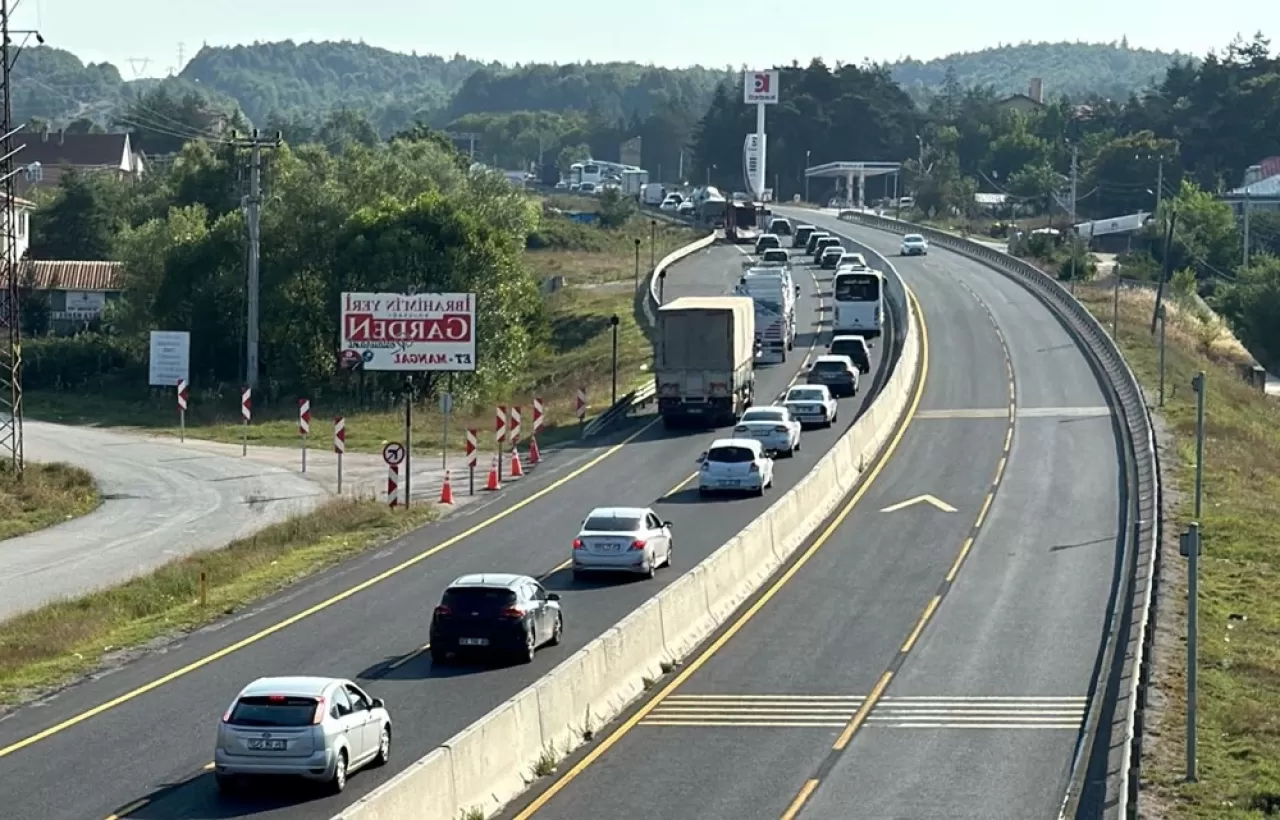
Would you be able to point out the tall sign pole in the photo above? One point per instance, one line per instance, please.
(253, 224)
(760, 88)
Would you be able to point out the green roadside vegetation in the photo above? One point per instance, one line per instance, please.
(47, 494)
(1239, 684)
(53, 645)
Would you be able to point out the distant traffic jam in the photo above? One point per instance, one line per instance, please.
(706, 353)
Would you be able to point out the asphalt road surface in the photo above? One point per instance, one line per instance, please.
(924, 661)
(141, 737)
(160, 501)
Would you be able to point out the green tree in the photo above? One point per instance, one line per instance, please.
(76, 224)
(1036, 184)
(1252, 305)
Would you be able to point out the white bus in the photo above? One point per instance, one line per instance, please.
(859, 298)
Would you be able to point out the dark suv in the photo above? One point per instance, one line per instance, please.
(812, 241)
(855, 347)
(495, 613)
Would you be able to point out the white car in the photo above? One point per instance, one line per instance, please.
(735, 465)
(622, 539)
(851, 261)
(766, 242)
(773, 427)
(314, 728)
(812, 404)
(913, 244)
(685, 208)
(671, 202)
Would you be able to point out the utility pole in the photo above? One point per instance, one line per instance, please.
(1075, 179)
(11, 448)
(253, 222)
(1159, 182)
(1248, 207)
(1190, 548)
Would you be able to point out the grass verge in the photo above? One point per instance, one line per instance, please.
(48, 494)
(1239, 694)
(59, 642)
(597, 271)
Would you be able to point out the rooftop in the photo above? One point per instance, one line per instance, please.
(58, 274)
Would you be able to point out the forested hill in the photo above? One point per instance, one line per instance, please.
(1110, 70)
(310, 80)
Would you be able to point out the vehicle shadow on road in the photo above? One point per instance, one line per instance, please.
(420, 666)
(691, 495)
(199, 797)
(563, 581)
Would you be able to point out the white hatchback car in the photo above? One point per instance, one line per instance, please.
(812, 404)
(773, 427)
(735, 465)
(622, 539)
(316, 728)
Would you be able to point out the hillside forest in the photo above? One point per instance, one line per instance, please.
(343, 194)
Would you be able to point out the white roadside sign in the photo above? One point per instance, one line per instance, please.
(410, 332)
(170, 358)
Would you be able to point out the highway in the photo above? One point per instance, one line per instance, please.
(919, 661)
(154, 718)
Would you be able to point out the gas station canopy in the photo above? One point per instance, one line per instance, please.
(854, 171)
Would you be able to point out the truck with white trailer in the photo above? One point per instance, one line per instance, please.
(704, 360)
(774, 293)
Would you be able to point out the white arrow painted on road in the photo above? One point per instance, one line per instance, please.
(926, 499)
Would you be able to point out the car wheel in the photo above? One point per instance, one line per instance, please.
(339, 780)
(384, 748)
(530, 647)
(557, 631)
(671, 551)
(652, 570)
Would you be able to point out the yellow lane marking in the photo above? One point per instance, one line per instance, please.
(865, 709)
(737, 626)
(986, 505)
(955, 565)
(796, 804)
(920, 624)
(129, 809)
(320, 607)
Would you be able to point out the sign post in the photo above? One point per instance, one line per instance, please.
(182, 409)
(446, 408)
(246, 413)
(471, 460)
(580, 409)
(339, 445)
(393, 454)
(760, 88)
(304, 427)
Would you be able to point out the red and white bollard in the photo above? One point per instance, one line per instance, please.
(182, 409)
(246, 413)
(393, 485)
(500, 434)
(339, 444)
(304, 427)
(472, 458)
(535, 455)
(580, 405)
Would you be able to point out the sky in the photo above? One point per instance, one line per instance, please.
(145, 37)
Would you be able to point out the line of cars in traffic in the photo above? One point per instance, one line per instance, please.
(322, 729)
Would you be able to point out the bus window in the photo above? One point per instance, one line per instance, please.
(857, 289)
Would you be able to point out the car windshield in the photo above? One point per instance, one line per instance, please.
(804, 395)
(273, 710)
(612, 523)
(479, 599)
(763, 415)
(731, 455)
(913, 237)
(830, 366)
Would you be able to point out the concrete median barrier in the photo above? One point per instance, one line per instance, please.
(492, 761)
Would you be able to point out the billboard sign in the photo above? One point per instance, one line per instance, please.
(760, 87)
(170, 358)
(410, 332)
(752, 149)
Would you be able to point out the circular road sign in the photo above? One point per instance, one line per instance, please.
(393, 453)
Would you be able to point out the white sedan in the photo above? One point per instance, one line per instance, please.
(734, 465)
(773, 427)
(812, 404)
(622, 539)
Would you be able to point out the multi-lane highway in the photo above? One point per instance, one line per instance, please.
(922, 659)
(136, 743)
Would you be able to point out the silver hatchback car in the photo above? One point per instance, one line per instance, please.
(316, 728)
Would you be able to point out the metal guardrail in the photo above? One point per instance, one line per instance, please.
(1122, 677)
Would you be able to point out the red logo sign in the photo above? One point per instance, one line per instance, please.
(762, 84)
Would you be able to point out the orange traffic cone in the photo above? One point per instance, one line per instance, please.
(446, 491)
(493, 484)
(534, 455)
(517, 470)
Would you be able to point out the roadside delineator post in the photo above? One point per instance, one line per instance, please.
(471, 461)
(500, 434)
(535, 455)
(246, 413)
(339, 444)
(393, 453)
(304, 427)
(182, 409)
(580, 409)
